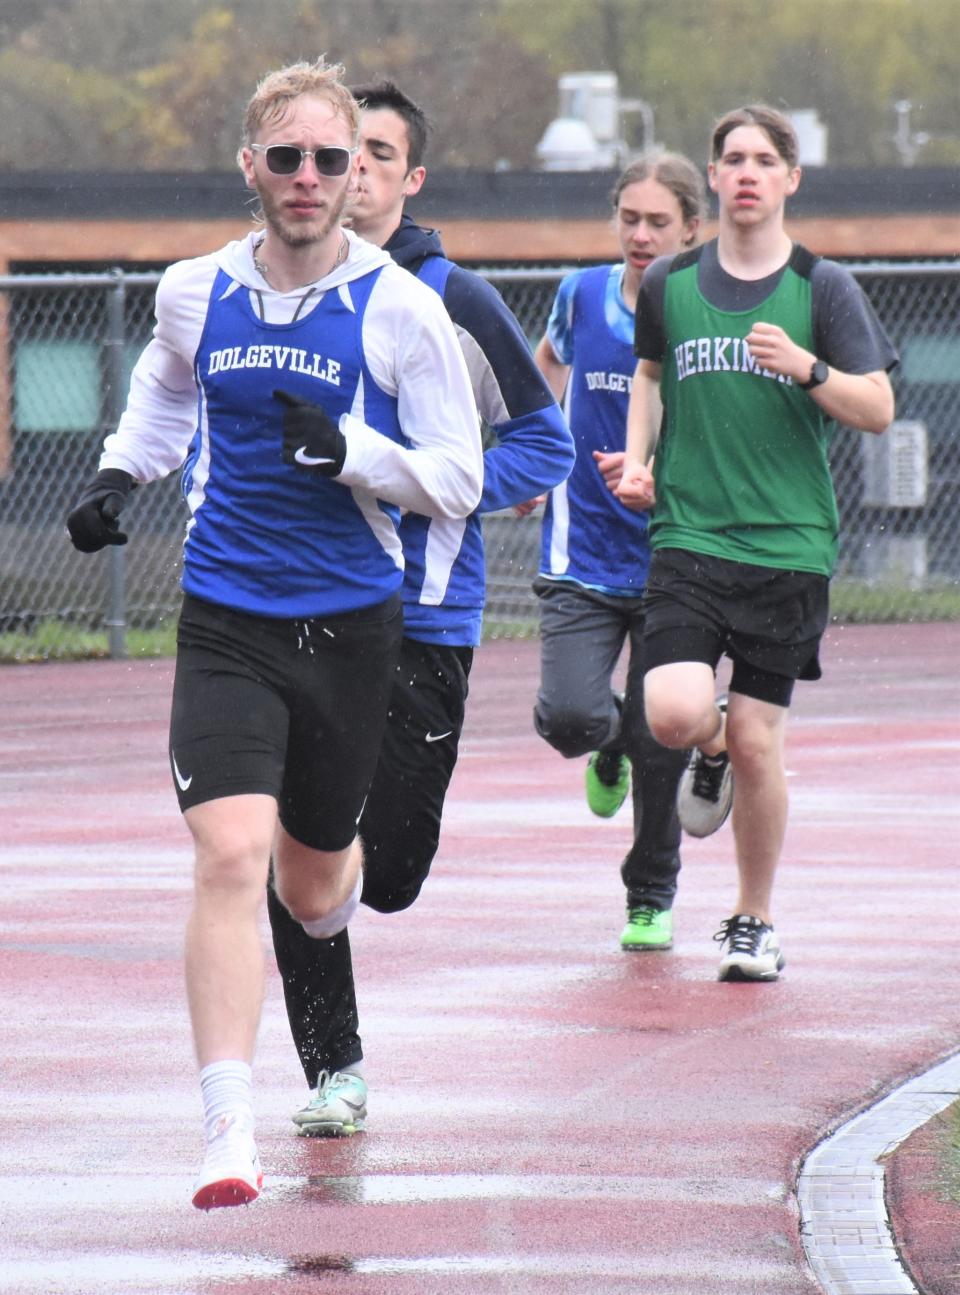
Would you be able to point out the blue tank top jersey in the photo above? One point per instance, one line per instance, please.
(588, 536)
(266, 537)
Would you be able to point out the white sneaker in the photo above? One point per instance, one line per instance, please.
(336, 1109)
(230, 1173)
(705, 794)
(753, 950)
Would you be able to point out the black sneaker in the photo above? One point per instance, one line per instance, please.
(705, 793)
(752, 950)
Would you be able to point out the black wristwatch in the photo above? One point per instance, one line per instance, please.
(818, 376)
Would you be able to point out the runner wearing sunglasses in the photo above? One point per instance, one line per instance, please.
(314, 390)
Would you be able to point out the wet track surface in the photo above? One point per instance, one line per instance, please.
(547, 1113)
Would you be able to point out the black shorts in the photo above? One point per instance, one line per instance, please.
(288, 708)
(768, 621)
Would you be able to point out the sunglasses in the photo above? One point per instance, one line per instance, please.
(287, 159)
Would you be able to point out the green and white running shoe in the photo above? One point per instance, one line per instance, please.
(647, 930)
(608, 782)
(337, 1109)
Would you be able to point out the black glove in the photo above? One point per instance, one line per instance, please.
(93, 521)
(311, 439)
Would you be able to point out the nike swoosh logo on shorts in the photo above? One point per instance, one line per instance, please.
(182, 783)
(435, 737)
(303, 457)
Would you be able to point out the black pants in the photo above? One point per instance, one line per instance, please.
(400, 831)
(582, 634)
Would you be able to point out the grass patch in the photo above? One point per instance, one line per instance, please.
(54, 640)
(950, 1154)
(855, 602)
(510, 629)
(852, 602)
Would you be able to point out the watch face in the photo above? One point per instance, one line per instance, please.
(818, 375)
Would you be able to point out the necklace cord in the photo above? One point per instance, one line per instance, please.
(263, 269)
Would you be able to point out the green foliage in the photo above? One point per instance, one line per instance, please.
(187, 124)
(17, 16)
(850, 59)
(121, 83)
(59, 116)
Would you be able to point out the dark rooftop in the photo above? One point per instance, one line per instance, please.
(454, 195)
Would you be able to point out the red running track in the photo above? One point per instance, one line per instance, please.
(548, 1114)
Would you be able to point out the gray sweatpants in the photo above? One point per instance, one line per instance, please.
(582, 634)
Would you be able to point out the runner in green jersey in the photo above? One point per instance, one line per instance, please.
(755, 347)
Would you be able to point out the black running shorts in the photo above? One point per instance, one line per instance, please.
(768, 621)
(288, 708)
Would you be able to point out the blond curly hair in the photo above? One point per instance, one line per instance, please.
(279, 89)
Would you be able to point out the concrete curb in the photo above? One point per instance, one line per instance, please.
(844, 1223)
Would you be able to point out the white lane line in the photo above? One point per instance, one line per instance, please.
(844, 1223)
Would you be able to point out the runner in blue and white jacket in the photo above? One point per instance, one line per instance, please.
(315, 390)
(595, 552)
(443, 595)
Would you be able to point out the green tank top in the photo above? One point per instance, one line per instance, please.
(741, 468)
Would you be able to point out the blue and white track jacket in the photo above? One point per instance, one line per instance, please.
(444, 584)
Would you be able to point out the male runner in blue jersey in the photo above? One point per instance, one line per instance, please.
(443, 594)
(314, 390)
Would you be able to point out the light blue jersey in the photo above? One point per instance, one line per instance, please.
(588, 536)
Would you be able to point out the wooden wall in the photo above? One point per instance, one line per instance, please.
(125, 241)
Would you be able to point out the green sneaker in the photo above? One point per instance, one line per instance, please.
(647, 930)
(608, 781)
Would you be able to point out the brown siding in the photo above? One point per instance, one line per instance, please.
(889, 236)
(162, 241)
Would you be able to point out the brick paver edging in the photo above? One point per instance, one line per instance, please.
(844, 1222)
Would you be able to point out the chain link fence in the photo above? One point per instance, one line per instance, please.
(68, 343)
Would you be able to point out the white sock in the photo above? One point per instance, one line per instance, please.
(325, 928)
(226, 1087)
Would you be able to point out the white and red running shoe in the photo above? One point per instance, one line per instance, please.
(230, 1173)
